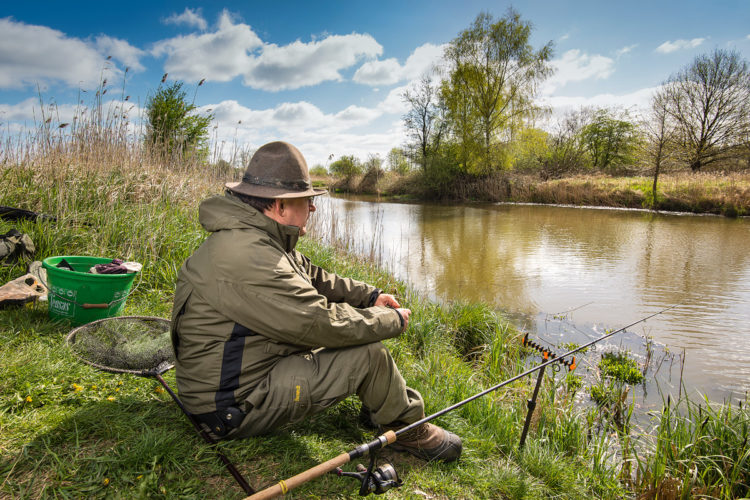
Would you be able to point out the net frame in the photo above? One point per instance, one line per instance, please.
(157, 372)
(160, 368)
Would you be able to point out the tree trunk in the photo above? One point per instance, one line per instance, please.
(656, 179)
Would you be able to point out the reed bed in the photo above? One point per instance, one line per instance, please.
(709, 192)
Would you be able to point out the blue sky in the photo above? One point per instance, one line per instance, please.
(328, 76)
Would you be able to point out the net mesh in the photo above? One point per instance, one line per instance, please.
(131, 344)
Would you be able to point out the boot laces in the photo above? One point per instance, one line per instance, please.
(416, 434)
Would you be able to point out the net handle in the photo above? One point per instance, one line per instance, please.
(161, 368)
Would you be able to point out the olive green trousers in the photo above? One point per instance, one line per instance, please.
(305, 384)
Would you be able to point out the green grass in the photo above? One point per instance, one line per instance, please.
(68, 430)
(696, 450)
(620, 366)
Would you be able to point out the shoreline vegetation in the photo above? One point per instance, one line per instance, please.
(476, 130)
(68, 430)
(717, 193)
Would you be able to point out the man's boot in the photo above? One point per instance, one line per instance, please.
(427, 441)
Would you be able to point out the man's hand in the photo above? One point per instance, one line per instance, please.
(387, 300)
(405, 313)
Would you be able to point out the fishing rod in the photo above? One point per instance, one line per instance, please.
(384, 477)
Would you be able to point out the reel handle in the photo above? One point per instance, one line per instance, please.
(284, 486)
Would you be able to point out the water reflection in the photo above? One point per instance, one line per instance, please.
(622, 265)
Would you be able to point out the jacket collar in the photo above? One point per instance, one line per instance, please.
(228, 212)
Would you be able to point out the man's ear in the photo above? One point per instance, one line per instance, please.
(274, 209)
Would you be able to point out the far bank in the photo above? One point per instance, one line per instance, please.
(717, 193)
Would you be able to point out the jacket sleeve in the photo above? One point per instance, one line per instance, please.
(279, 303)
(336, 288)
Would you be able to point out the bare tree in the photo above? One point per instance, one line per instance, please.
(567, 152)
(423, 119)
(710, 101)
(659, 131)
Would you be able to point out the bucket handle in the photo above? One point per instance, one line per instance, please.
(96, 306)
(93, 306)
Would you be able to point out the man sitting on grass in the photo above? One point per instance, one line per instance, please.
(264, 337)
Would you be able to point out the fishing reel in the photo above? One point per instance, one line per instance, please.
(373, 479)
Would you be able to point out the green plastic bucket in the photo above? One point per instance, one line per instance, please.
(80, 296)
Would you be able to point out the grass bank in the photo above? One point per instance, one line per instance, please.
(713, 193)
(68, 430)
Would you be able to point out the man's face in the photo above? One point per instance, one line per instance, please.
(296, 212)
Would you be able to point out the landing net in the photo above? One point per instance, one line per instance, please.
(140, 345)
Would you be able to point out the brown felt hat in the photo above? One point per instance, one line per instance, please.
(276, 170)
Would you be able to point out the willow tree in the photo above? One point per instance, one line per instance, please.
(494, 76)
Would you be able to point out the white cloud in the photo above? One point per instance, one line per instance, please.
(317, 148)
(385, 72)
(301, 64)
(29, 112)
(669, 46)
(625, 50)
(189, 17)
(389, 71)
(121, 51)
(234, 49)
(296, 117)
(31, 54)
(357, 115)
(635, 101)
(394, 102)
(21, 111)
(575, 66)
(217, 56)
(316, 133)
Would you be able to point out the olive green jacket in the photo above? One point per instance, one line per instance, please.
(246, 298)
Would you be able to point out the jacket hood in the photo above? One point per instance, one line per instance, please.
(220, 213)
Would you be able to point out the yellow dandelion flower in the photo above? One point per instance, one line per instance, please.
(28, 399)
(159, 390)
(93, 386)
(119, 383)
(77, 388)
(106, 481)
(117, 389)
(111, 398)
(140, 476)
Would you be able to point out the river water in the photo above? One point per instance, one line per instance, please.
(569, 274)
